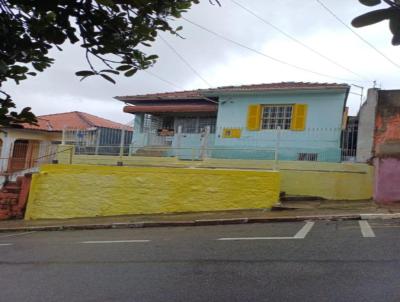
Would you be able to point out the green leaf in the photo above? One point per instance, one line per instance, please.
(394, 24)
(84, 73)
(110, 71)
(152, 57)
(373, 17)
(370, 2)
(130, 73)
(108, 78)
(124, 67)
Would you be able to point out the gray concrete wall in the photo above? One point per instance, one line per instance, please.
(366, 126)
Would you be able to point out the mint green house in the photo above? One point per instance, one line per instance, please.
(304, 121)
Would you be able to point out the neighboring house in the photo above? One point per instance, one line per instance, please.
(234, 121)
(24, 148)
(379, 141)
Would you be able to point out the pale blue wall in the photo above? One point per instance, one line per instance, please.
(324, 119)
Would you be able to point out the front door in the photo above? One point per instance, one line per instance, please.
(24, 155)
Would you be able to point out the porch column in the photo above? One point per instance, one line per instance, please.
(138, 138)
(138, 122)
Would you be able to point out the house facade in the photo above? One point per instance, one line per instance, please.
(27, 147)
(303, 120)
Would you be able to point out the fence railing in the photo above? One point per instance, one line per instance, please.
(129, 155)
(311, 144)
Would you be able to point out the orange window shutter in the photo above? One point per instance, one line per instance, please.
(299, 117)
(254, 117)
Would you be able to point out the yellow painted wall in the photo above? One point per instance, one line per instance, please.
(338, 181)
(329, 185)
(66, 191)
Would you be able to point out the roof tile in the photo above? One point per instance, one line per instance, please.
(195, 94)
(75, 120)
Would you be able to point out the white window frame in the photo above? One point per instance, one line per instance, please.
(276, 115)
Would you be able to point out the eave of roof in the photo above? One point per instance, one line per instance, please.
(245, 89)
(170, 108)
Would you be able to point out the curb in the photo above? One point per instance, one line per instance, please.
(201, 222)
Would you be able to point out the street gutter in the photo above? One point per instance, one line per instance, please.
(203, 222)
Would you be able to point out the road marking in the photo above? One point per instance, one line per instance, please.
(5, 244)
(301, 234)
(19, 234)
(366, 229)
(255, 238)
(304, 230)
(114, 241)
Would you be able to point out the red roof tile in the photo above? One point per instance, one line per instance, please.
(196, 94)
(75, 120)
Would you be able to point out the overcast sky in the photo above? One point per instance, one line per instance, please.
(222, 63)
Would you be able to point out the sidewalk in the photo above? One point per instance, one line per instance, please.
(289, 211)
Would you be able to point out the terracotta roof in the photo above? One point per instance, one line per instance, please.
(75, 120)
(171, 108)
(196, 94)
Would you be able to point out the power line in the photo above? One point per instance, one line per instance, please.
(261, 53)
(178, 87)
(164, 80)
(296, 40)
(358, 35)
(186, 62)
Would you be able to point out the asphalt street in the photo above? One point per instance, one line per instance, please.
(300, 261)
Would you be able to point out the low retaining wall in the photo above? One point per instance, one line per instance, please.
(338, 181)
(66, 191)
(329, 184)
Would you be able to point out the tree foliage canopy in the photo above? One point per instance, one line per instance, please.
(113, 32)
(391, 13)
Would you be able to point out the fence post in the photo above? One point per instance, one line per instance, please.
(277, 145)
(121, 146)
(96, 152)
(178, 140)
(71, 151)
(63, 136)
(204, 143)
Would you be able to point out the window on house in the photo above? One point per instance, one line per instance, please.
(195, 124)
(207, 122)
(274, 116)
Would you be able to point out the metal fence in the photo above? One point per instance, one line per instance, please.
(312, 145)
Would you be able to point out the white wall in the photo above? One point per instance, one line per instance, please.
(366, 126)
